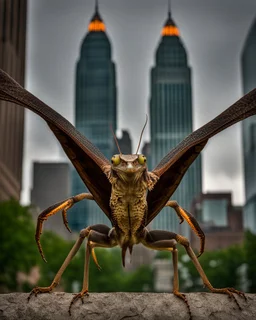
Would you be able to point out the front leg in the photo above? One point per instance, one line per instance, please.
(84, 233)
(191, 220)
(164, 240)
(64, 206)
(99, 236)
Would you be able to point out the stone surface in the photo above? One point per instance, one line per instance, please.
(121, 305)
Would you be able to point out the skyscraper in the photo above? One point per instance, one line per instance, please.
(125, 143)
(95, 109)
(51, 184)
(12, 60)
(249, 130)
(171, 117)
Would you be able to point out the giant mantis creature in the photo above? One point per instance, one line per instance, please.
(128, 194)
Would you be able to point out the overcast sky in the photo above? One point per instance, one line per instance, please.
(213, 33)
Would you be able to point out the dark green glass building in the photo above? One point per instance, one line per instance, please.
(249, 130)
(95, 109)
(171, 118)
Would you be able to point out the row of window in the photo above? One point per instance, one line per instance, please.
(13, 21)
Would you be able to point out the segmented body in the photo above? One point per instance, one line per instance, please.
(129, 207)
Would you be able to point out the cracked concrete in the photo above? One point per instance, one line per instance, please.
(121, 306)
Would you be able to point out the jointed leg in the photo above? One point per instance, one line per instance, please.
(85, 288)
(176, 281)
(183, 214)
(84, 233)
(202, 274)
(64, 206)
(99, 236)
(229, 291)
(165, 241)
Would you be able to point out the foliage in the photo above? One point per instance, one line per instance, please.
(16, 237)
(112, 277)
(18, 252)
(55, 250)
(250, 258)
(222, 266)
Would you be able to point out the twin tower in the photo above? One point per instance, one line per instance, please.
(170, 111)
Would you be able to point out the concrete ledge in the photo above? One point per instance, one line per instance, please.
(120, 306)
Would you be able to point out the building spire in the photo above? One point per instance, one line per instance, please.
(169, 9)
(96, 24)
(170, 28)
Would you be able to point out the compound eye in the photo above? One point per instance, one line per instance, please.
(142, 159)
(116, 160)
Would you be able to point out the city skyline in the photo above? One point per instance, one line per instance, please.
(218, 90)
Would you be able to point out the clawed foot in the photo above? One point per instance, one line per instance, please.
(64, 215)
(184, 298)
(38, 290)
(230, 292)
(76, 297)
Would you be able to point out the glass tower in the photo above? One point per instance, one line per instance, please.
(95, 110)
(171, 118)
(249, 131)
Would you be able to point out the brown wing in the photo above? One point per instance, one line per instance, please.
(173, 166)
(89, 162)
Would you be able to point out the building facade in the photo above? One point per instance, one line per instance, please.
(51, 184)
(171, 118)
(125, 143)
(95, 110)
(12, 60)
(249, 131)
(221, 222)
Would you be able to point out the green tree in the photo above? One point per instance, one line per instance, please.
(250, 258)
(55, 250)
(17, 252)
(112, 277)
(220, 266)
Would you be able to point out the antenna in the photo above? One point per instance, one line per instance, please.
(169, 9)
(142, 133)
(111, 128)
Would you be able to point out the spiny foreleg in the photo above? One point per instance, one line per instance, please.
(64, 206)
(191, 220)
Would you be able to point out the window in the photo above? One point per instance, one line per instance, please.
(252, 137)
(214, 212)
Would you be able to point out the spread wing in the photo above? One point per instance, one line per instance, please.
(173, 166)
(89, 162)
